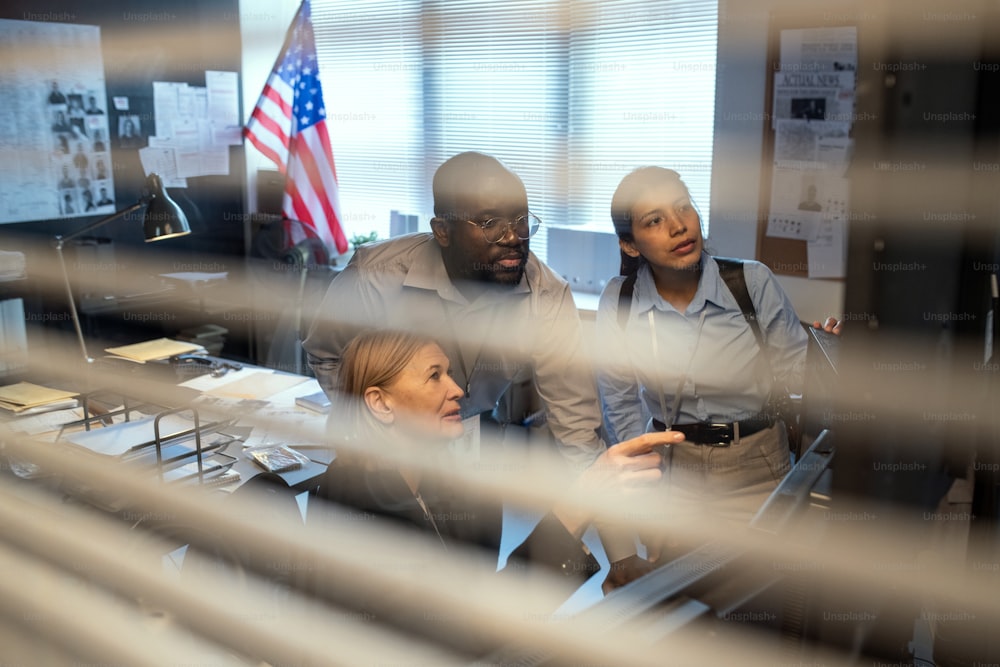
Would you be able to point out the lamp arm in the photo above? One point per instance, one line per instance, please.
(60, 241)
(72, 305)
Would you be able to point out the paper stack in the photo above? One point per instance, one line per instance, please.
(151, 350)
(27, 398)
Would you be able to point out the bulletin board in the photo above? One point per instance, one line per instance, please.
(88, 72)
(56, 126)
(805, 198)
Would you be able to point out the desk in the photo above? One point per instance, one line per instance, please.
(156, 306)
(209, 399)
(280, 405)
(179, 537)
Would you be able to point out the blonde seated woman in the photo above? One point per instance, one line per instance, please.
(403, 396)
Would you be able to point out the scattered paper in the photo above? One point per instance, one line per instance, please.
(150, 350)
(257, 385)
(197, 124)
(812, 144)
(813, 112)
(796, 209)
(223, 111)
(56, 129)
(23, 395)
(160, 159)
(48, 422)
(827, 254)
(802, 226)
(122, 438)
(189, 473)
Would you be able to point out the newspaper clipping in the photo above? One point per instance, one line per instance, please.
(812, 117)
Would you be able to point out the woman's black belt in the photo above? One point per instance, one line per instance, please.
(716, 434)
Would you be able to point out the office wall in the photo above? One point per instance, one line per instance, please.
(145, 41)
(740, 119)
(116, 283)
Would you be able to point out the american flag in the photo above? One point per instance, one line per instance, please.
(288, 125)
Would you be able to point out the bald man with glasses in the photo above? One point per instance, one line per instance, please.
(501, 314)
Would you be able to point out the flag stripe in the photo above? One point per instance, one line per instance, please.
(324, 137)
(263, 145)
(266, 122)
(270, 122)
(278, 92)
(314, 182)
(319, 181)
(293, 202)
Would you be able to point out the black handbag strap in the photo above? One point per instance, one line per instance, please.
(625, 300)
(731, 271)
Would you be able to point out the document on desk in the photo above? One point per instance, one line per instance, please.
(150, 350)
(120, 439)
(214, 477)
(24, 395)
(257, 385)
(46, 426)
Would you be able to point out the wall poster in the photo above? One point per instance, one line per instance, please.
(812, 116)
(55, 160)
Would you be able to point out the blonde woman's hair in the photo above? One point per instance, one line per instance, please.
(374, 359)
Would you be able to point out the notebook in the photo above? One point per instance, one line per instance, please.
(317, 402)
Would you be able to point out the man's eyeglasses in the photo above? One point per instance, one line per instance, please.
(495, 229)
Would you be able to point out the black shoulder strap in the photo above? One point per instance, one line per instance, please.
(625, 300)
(731, 271)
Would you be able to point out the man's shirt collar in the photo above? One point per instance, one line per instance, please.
(427, 271)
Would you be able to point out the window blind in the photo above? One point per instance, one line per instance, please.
(371, 65)
(496, 82)
(570, 95)
(642, 92)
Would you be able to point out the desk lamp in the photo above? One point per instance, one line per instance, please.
(164, 219)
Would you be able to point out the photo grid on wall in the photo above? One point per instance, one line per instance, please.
(59, 167)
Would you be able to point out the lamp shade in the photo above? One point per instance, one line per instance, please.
(164, 218)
